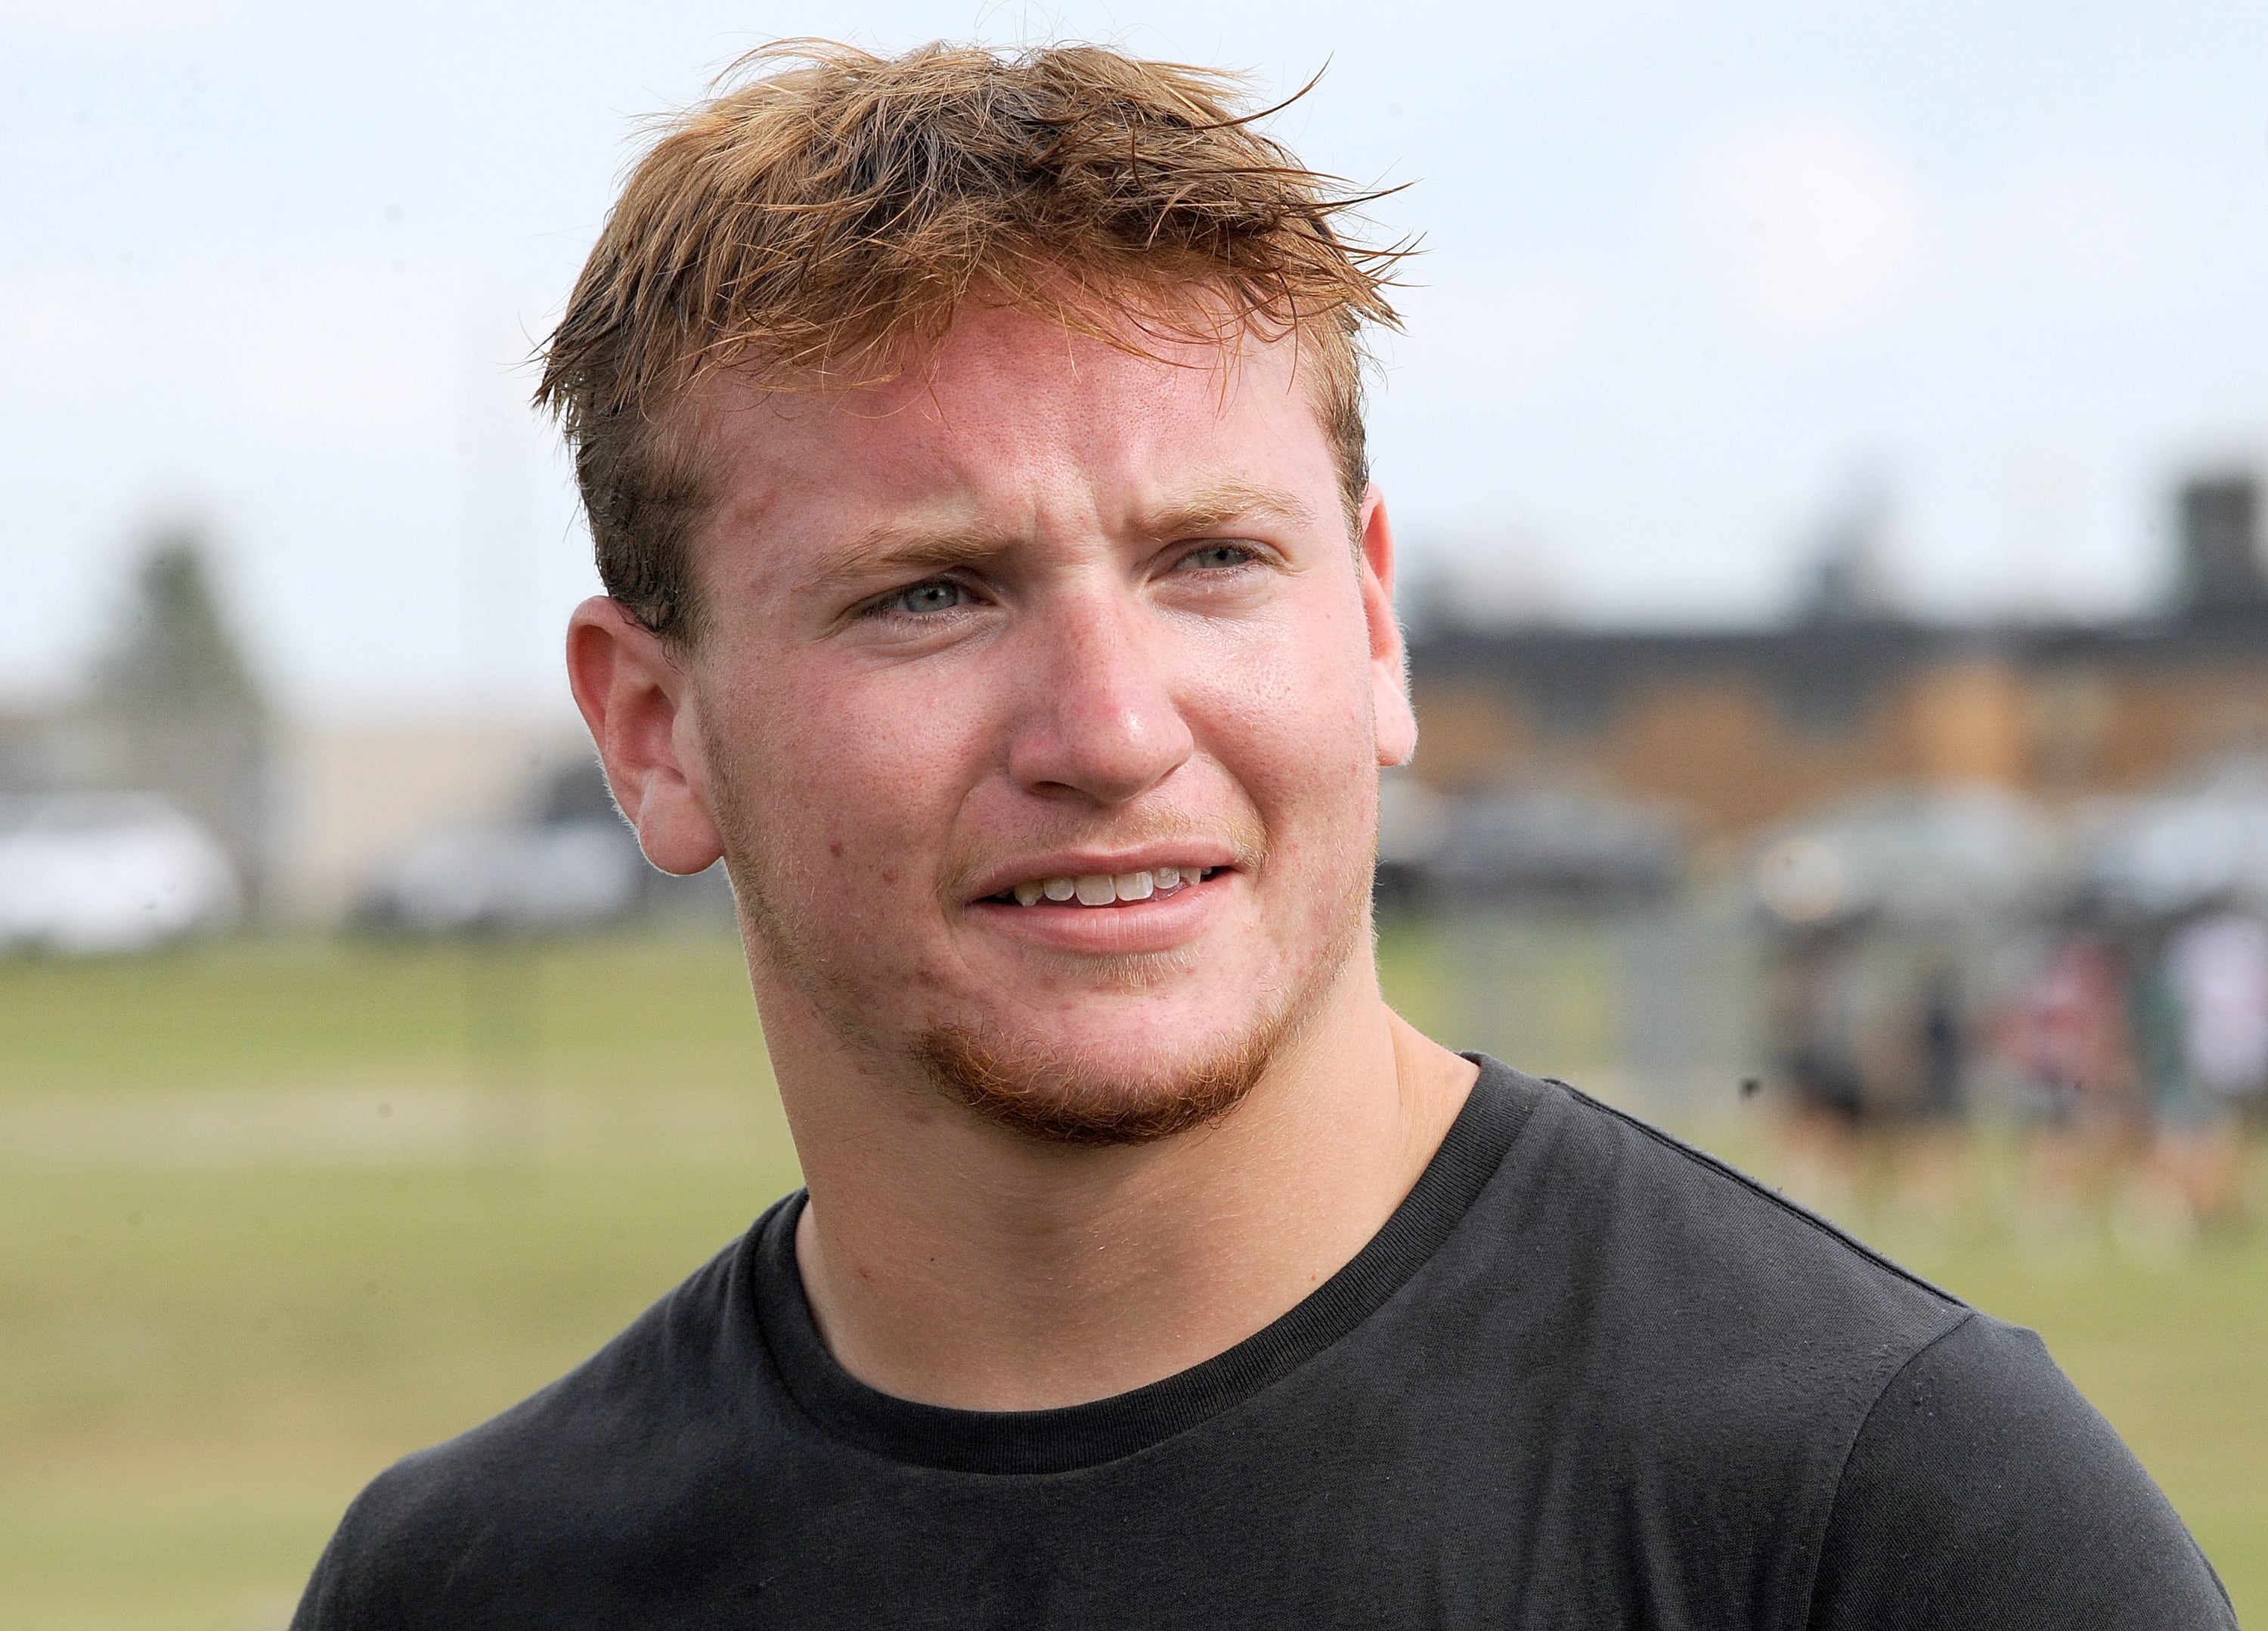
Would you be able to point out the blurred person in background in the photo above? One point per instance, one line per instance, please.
(1934, 1166)
(2132, 1047)
(2066, 1033)
(2204, 1011)
(1811, 1020)
(1944, 1041)
(1866, 1026)
(2217, 965)
(974, 451)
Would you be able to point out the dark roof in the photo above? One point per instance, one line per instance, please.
(1857, 648)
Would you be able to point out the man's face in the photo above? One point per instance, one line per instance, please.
(1048, 612)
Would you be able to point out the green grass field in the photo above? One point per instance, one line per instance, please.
(273, 1212)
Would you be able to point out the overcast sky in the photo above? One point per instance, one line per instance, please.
(1697, 275)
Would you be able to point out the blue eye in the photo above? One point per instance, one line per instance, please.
(1214, 557)
(927, 597)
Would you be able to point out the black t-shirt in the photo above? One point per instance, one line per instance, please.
(1584, 1377)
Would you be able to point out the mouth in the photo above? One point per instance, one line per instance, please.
(1095, 890)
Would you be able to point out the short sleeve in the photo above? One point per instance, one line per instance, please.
(1983, 1491)
(393, 1550)
(335, 1593)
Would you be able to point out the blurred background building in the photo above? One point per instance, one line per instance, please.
(1740, 727)
(165, 797)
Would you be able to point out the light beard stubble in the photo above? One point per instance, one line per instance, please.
(1054, 1103)
(1049, 1101)
(1041, 1096)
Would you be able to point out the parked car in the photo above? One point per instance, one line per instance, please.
(2187, 847)
(89, 872)
(1915, 856)
(1551, 843)
(531, 875)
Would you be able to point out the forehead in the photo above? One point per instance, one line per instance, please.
(1017, 420)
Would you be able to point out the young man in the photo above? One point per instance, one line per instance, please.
(973, 454)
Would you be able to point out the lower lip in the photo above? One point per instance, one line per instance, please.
(1161, 922)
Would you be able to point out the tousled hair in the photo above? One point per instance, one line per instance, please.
(818, 222)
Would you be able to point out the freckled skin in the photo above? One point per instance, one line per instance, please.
(1091, 689)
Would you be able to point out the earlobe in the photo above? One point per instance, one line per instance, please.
(1394, 721)
(632, 694)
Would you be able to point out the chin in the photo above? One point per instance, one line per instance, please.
(1096, 1098)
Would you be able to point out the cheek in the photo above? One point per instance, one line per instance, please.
(856, 775)
(1289, 715)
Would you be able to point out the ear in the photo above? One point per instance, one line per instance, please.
(1394, 722)
(640, 706)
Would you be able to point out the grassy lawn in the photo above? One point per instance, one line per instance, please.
(198, 1369)
(200, 1359)
(620, 1016)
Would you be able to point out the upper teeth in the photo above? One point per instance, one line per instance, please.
(1102, 888)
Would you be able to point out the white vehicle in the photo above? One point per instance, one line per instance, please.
(560, 875)
(2176, 850)
(91, 873)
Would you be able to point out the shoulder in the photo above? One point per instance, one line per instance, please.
(1680, 1258)
(1697, 1352)
(1904, 1459)
(544, 1489)
(1982, 1490)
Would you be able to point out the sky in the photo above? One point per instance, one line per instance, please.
(1696, 280)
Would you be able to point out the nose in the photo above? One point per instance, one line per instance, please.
(1099, 720)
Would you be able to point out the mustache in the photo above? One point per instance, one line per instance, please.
(1239, 831)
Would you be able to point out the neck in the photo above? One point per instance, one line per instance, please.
(950, 1262)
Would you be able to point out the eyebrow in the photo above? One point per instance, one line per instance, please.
(891, 548)
(1221, 504)
(894, 547)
